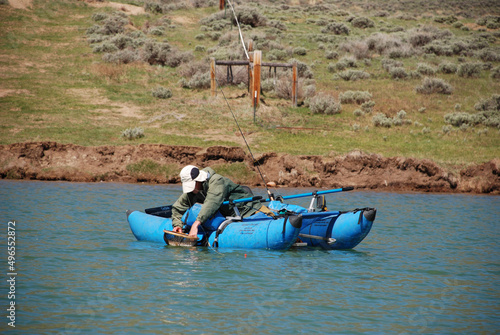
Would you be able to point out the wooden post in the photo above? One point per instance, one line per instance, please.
(294, 85)
(257, 60)
(222, 4)
(213, 83)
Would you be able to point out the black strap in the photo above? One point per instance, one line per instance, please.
(284, 224)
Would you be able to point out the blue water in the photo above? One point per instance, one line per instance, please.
(430, 265)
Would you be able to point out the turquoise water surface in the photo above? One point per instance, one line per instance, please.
(430, 265)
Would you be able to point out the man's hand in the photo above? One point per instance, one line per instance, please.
(177, 230)
(194, 229)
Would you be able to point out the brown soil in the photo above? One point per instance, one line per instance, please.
(56, 161)
(127, 9)
(21, 4)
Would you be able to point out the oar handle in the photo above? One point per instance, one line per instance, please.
(258, 197)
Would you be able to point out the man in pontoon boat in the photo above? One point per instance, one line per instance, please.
(211, 189)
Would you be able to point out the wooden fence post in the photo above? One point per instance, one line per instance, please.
(294, 85)
(257, 60)
(213, 83)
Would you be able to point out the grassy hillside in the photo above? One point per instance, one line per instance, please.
(398, 78)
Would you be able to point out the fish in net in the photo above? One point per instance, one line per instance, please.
(179, 239)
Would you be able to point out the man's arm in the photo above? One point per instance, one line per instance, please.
(178, 209)
(213, 199)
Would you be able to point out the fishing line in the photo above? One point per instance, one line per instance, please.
(271, 196)
(255, 162)
(239, 28)
(208, 243)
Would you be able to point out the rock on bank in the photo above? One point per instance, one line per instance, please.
(159, 163)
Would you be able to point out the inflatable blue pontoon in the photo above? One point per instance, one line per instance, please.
(291, 225)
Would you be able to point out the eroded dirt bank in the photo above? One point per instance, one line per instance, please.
(55, 161)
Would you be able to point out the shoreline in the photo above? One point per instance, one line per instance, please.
(160, 164)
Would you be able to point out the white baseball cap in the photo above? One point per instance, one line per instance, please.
(189, 176)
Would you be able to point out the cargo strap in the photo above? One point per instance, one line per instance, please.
(266, 210)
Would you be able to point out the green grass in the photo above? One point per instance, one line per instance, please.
(53, 87)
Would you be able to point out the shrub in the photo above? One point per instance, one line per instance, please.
(157, 31)
(425, 69)
(125, 56)
(469, 70)
(362, 22)
(323, 103)
(345, 62)
(359, 49)
(303, 70)
(114, 24)
(359, 97)
(199, 80)
(398, 73)
(358, 112)
(446, 19)
(388, 64)
(380, 120)
(447, 67)
(250, 16)
(99, 16)
(403, 51)
(105, 46)
(439, 48)
(161, 92)
(495, 73)
(331, 54)
(446, 129)
(401, 115)
(121, 41)
(491, 104)
(133, 133)
(353, 75)
(461, 118)
(277, 54)
(277, 24)
(367, 106)
(301, 51)
(336, 28)
(434, 85)
(96, 38)
(200, 48)
(487, 118)
(161, 53)
(381, 43)
(214, 36)
(153, 7)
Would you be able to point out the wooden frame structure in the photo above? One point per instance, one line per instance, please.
(254, 74)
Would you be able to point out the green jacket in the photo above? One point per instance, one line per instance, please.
(216, 190)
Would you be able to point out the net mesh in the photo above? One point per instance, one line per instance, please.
(179, 241)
